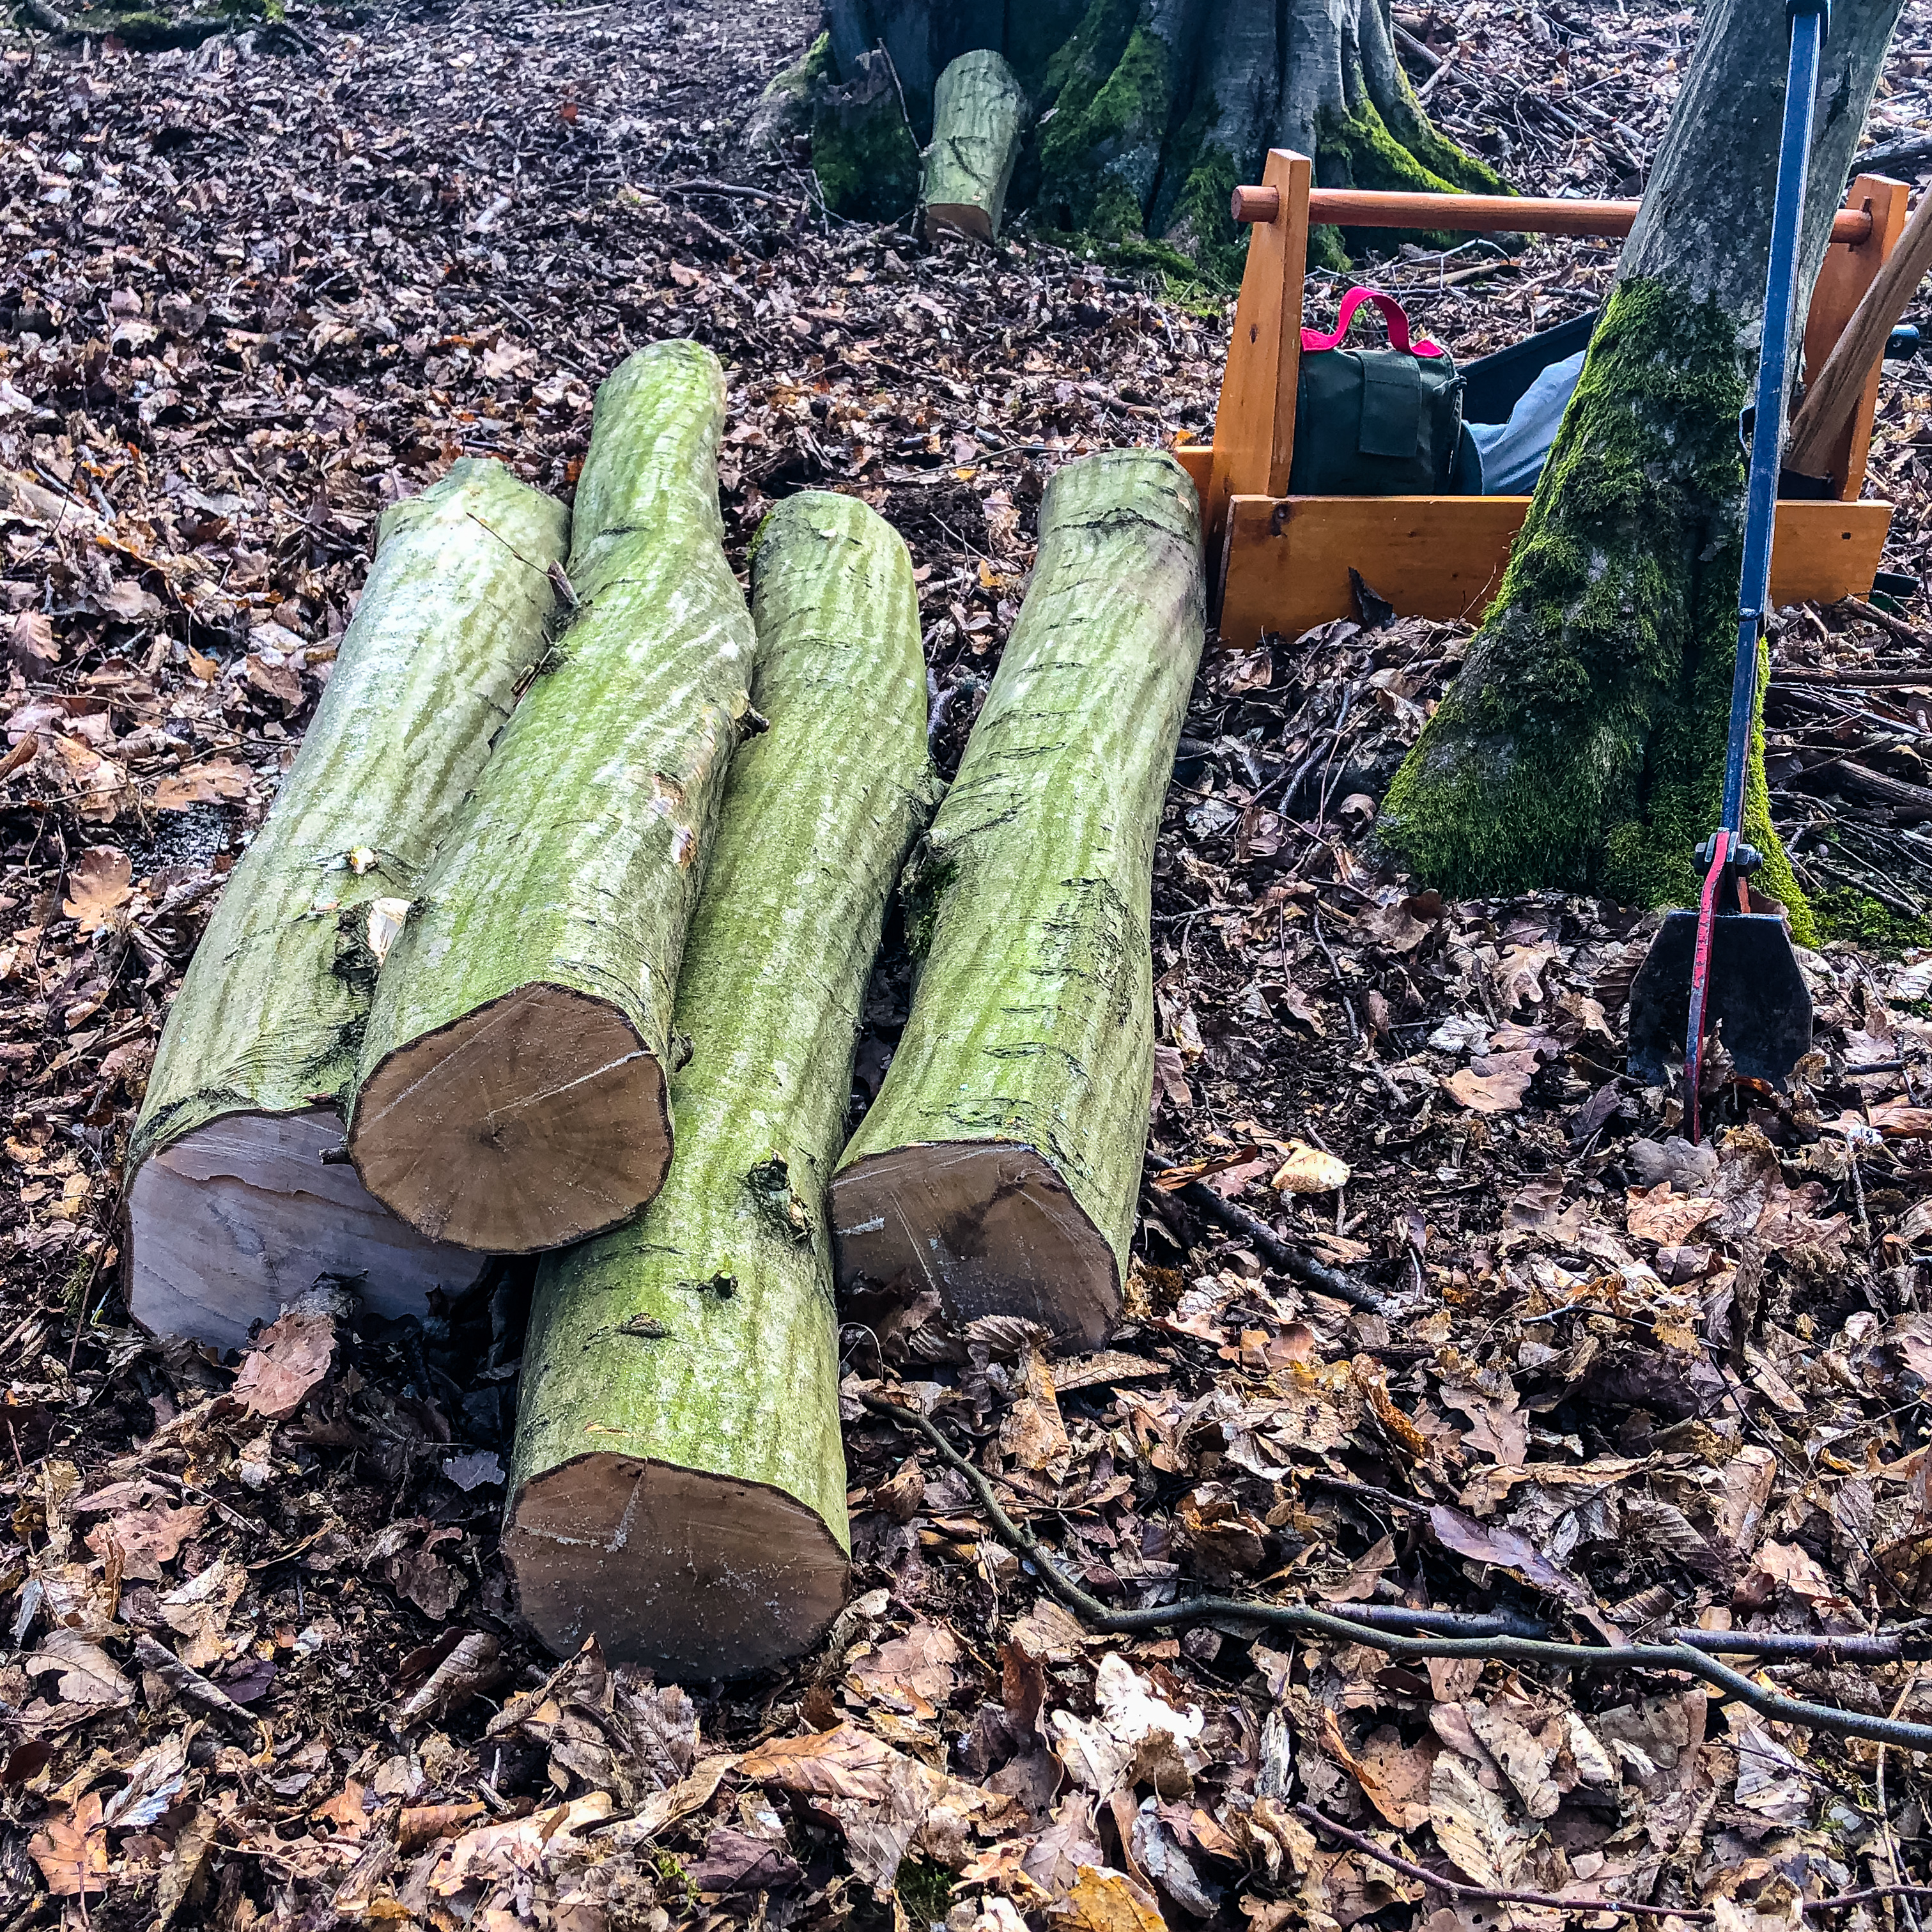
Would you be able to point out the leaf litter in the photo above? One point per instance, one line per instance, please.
(264, 1662)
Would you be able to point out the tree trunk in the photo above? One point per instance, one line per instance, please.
(862, 150)
(513, 1094)
(1160, 106)
(979, 116)
(679, 1485)
(231, 1210)
(1582, 744)
(1000, 1162)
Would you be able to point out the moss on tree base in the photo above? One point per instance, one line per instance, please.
(1152, 111)
(862, 152)
(1583, 744)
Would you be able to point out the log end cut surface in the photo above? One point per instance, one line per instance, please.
(959, 218)
(238, 1216)
(696, 1576)
(988, 1225)
(532, 1122)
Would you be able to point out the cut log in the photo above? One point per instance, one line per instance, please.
(513, 1094)
(979, 119)
(1000, 1162)
(678, 1487)
(231, 1210)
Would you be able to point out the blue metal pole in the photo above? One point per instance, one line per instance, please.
(1807, 20)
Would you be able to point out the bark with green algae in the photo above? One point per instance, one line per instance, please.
(678, 1486)
(1000, 1162)
(1582, 745)
(513, 1075)
(979, 115)
(232, 1212)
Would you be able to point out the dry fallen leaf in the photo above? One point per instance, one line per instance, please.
(1103, 1899)
(147, 1539)
(292, 1355)
(209, 783)
(1472, 1824)
(1308, 1170)
(1662, 1215)
(1498, 1088)
(913, 1674)
(99, 880)
(72, 1852)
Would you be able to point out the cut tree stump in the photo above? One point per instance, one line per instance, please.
(979, 119)
(514, 1072)
(1000, 1162)
(232, 1211)
(678, 1486)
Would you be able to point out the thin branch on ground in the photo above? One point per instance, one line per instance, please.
(1671, 1657)
(1458, 1889)
(1291, 1262)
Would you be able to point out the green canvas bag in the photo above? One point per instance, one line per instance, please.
(1375, 422)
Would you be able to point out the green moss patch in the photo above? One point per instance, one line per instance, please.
(866, 159)
(1583, 744)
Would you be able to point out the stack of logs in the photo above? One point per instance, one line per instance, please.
(557, 939)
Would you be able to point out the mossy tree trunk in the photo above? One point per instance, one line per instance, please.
(1582, 745)
(1000, 1162)
(678, 1487)
(1158, 107)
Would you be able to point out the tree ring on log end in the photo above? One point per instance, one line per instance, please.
(989, 1224)
(232, 1220)
(693, 1575)
(532, 1122)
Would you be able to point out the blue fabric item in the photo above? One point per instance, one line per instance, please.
(1513, 453)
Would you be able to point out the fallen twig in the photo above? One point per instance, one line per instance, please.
(1906, 633)
(1556, 1901)
(1291, 1262)
(729, 190)
(1457, 1889)
(1676, 1656)
(1902, 154)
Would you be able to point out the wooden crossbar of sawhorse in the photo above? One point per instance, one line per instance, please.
(1282, 561)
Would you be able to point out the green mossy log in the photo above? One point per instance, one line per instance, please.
(678, 1486)
(1582, 744)
(232, 1211)
(979, 118)
(513, 1092)
(1000, 1162)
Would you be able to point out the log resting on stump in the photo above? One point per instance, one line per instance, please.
(678, 1487)
(1582, 744)
(513, 1094)
(232, 1211)
(979, 116)
(1160, 106)
(1000, 1162)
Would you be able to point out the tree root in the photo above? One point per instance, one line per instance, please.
(1677, 1655)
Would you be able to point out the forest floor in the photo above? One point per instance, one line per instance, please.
(265, 1666)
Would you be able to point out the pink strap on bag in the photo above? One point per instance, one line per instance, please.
(1393, 319)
